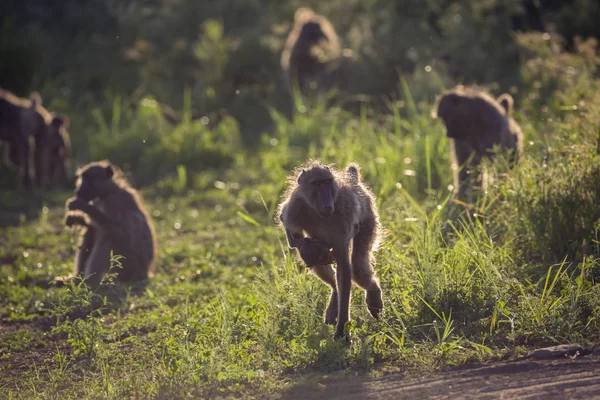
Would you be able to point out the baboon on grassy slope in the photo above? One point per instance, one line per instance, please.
(310, 46)
(115, 220)
(478, 126)
(20, 120)
(335, 210)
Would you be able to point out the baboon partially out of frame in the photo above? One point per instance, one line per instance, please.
(338, 212)
(48, 145)
(311, 45)
(20, 121)
(116, 221)
(479, 127)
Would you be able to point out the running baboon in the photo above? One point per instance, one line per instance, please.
(335, 210)
(20, 121)
(309, 49)
(116, 221)
(479, 126)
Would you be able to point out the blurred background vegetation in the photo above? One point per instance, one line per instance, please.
(105, 63)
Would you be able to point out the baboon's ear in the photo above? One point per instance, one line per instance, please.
(506, 101)
(327, 168)
(109, 171)
(300, 177)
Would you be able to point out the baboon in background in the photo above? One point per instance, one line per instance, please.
(47, 143)
(477, 124)
(115, 220)
(52, 153)
(336, 211)
(20, 121)
(311, 45)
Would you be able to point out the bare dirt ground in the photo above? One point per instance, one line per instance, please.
(577, 378)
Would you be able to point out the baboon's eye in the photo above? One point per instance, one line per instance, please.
(327, 181)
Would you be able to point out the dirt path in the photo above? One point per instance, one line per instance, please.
(528, 379)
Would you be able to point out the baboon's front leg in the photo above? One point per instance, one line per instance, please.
(101, 219)
(294, 239)
(344, 285)
(327, 275)
(72, 219)
(24, 151)
(113, 228)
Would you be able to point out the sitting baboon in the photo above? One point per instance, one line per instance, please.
(336, 211)
(116, 221)
(309, 49)
(20, 121)
(479, 126)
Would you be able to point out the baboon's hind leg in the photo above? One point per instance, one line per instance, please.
(362, 268)
(83, 250)
(327, 275)
(98, 262)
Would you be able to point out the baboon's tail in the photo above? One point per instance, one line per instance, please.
(353, 171)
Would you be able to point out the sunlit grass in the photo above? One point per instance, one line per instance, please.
(230, 310)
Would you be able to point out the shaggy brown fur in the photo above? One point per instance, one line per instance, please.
(335, 209)
(479, 127)
(115, 219)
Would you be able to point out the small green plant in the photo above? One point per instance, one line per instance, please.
(80, 308)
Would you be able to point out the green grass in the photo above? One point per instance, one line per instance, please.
(231, 312)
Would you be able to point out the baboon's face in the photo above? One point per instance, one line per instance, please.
(311, 32)
(453, 109)
(320, 190)
(93, 181)
(57, 142)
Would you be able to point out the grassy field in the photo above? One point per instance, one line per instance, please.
(231, 312)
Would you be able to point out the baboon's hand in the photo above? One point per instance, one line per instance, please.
(72, 219)
(314, 253)
(75, 204)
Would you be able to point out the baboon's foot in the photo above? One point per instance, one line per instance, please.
(341, 334)
(374, 301)
(331, 312)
